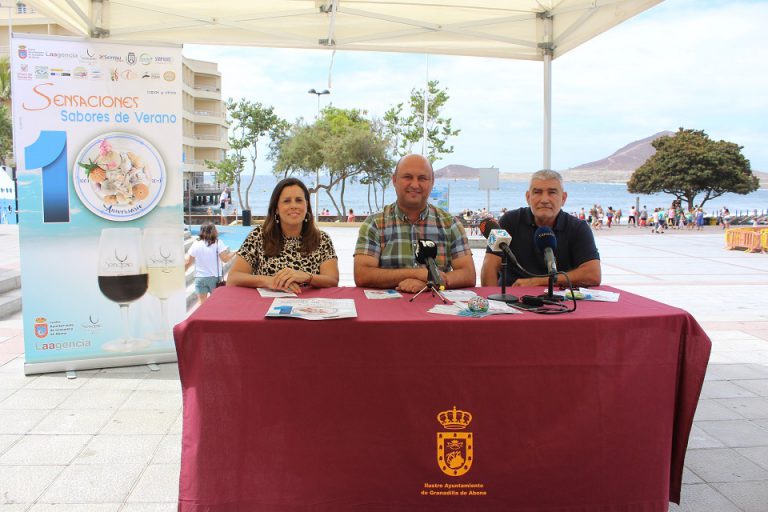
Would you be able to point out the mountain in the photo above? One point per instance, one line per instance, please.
(459, 172)
(616, 168)
(628, 158)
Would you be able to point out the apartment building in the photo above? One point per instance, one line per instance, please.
(205, 127)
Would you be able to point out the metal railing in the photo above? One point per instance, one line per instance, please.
(209, 113)
(209, 88)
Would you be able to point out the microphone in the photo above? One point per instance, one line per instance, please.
(545, 240)
(426, 252)
(498, 239)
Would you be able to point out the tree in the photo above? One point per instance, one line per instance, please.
(227, 169)
(343, 142)
(6, 127)
(379, 176)
(6, 134)
(407, 129)
(689, 163)
(249, 124)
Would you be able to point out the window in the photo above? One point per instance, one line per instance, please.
(21, 8)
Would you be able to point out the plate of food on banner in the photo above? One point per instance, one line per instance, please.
(119, 176)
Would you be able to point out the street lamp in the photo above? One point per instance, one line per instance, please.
(318, 94)
(317, 191)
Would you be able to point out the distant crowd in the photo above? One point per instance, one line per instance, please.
(658, 220)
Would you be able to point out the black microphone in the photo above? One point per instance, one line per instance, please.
(426, 252)
(545, 240)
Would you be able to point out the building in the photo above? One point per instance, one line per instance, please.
(204, 125)
(205, 129)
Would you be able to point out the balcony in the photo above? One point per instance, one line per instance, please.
(208, 113)
(208, 92)
(207, 117)
(207, 88)
(195, 166)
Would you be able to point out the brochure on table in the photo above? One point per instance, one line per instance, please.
(98, 139)
(312, 309)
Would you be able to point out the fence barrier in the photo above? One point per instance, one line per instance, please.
(748, 239)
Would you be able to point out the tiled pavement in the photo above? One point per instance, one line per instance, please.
(110, 439)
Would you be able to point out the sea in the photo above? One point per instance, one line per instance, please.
(465, 194)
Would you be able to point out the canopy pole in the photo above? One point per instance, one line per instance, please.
(547, 47)
(547, 111)
(425, 133)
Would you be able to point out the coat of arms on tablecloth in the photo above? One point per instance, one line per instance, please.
(454, 449)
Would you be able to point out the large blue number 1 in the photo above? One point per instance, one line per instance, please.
(49, 153)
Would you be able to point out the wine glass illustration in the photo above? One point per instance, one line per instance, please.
(122, 276)
(164, 251)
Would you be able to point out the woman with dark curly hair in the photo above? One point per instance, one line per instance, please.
(288, 251)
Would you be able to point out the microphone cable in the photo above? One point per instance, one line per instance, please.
(545, 306)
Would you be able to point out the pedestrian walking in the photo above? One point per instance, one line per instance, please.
(208, 254)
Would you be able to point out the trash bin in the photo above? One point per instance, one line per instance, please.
(246, 217)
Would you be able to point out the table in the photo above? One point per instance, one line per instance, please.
(587, 411)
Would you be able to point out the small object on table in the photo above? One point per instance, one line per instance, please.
(478, 304)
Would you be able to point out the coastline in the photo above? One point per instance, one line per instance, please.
(589, 176)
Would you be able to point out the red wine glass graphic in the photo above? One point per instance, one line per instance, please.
(122, 277)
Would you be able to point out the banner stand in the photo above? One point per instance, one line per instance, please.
(98, 144)
(91, 364)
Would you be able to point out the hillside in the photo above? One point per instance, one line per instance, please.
(615, 168)
(458, 172)
(627, 158)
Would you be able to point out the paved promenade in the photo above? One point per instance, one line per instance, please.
(110, 439)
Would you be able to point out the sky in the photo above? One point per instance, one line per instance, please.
(697, 64)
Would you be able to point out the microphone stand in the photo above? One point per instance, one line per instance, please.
(431, 287)
(503, 296)
(550, 295)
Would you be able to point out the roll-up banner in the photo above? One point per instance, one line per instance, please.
(98, 144)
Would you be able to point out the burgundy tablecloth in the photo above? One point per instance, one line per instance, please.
(587, 411)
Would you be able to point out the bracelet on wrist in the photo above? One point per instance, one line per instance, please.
(309, 281)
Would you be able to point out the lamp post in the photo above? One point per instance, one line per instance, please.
(317, 184)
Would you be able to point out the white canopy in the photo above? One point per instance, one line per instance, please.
(512, 29)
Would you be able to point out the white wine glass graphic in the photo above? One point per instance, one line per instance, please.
(122, 276)
(164, 252)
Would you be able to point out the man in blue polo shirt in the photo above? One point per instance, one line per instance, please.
(576, 253)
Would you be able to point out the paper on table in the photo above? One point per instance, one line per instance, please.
(266, 292)
(590, 294)
(382, 294)
(312, 309)
(495, 307)
(460, 295)
(599, 295)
